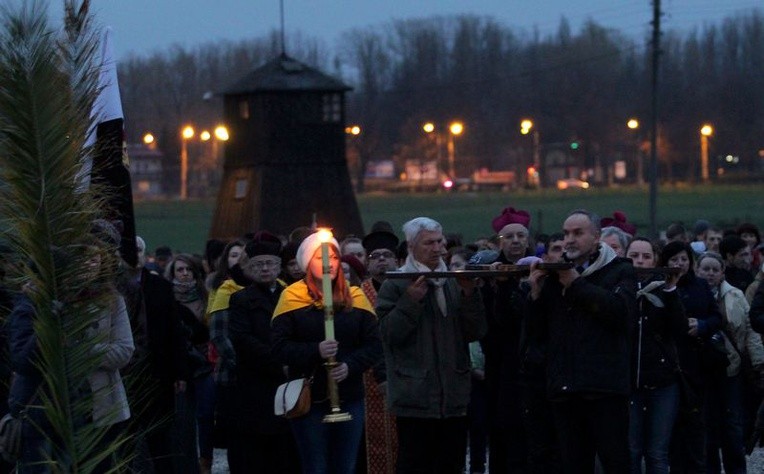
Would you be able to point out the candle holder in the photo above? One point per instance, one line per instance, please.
(336, 415)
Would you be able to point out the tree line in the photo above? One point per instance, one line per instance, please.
(577, 86)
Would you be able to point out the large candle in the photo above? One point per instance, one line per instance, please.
(326, 288)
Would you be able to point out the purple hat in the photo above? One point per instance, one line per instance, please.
(619, 220)
(511, 216)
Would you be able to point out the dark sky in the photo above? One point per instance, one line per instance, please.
(145, 26)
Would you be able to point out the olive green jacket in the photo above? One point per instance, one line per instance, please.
(426, 354)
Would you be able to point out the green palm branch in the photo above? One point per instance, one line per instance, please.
(49, 83)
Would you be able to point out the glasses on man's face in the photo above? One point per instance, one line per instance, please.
(380, 255)
(259, 265)
(511, 236)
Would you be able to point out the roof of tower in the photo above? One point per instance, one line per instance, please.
(285, 74)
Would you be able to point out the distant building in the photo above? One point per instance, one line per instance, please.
(285, 164)
(145, 171)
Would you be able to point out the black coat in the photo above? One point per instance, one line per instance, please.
(258, 373)
(655, 359)
(150, 376)
(166, 342)
(699, 303)
(295, 336)
(587, 328)
(505, 302)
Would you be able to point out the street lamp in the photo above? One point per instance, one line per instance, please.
(705, 131)
(430, 129)
(633, 124)
(526, 126)
(221, 133)
(353, 130)
(186, 134)
(455, 129)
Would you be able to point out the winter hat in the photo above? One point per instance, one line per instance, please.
(263, 243)
(381, 237)
(289, 252)
(355, 264)
(619, 220)
(484, 257)
(511, 216)
(309, 246)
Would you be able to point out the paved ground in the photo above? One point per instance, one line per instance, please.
(755, 462)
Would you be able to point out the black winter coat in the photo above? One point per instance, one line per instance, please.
(699, 303)
(655, 359)
(587, 328)
(258, 373)
(501, 346)
(295, 336)
(150, 377)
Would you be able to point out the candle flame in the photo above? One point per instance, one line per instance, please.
(324, 235)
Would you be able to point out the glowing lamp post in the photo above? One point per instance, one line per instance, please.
(186, 134)
(633, 124)
(705, 132)
(429, 128)
(336, 414)
(456, 128)
(526, 127)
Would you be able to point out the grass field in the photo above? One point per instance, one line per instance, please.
(184, 225)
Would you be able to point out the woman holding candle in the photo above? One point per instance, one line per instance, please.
(307, 334)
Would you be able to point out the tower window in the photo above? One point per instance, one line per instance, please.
(244, 109)
(332, 107)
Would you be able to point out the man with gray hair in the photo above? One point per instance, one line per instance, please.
(426, 326)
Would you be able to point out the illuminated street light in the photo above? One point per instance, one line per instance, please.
(429, 128)
(205, 135)
(353, 130)
(148, 139)
(633, 124)
(526, 126)
(705, 131)
(186, 134)
(221, 133)
(455, 129)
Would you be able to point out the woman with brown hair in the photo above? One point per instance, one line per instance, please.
(186, 274)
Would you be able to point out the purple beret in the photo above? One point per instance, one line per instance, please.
(511, 216)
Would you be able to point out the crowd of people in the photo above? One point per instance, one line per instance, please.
(627, 355)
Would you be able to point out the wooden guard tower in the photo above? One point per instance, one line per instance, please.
(285, 161)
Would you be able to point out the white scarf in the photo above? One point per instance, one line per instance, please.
(412, 265)
(607, 254)
(646, 292)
